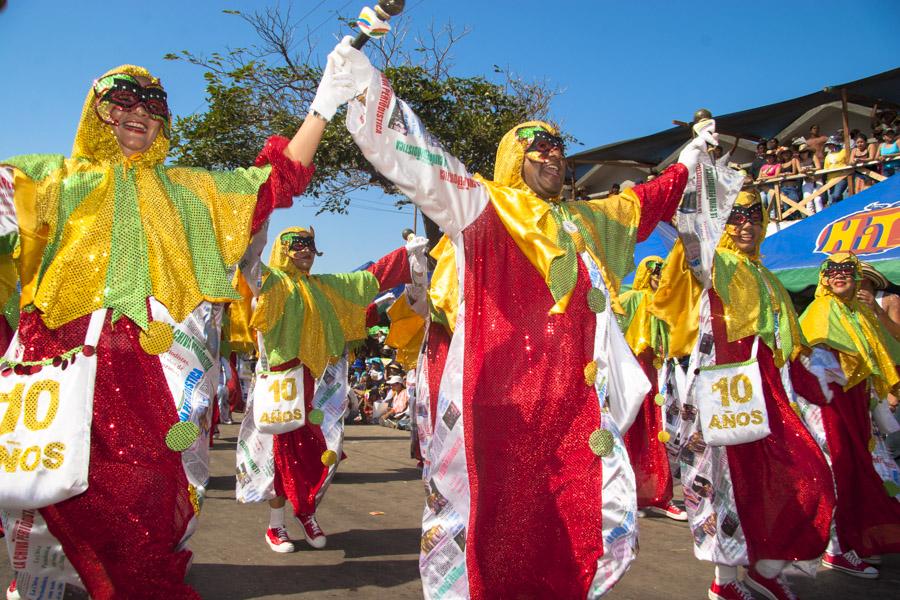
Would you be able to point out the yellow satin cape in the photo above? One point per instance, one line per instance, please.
(535, 225)
(864, 349)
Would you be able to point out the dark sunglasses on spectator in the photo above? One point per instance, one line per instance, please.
(743, 214)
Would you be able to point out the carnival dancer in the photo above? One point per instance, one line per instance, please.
(867, 516)
(523, 445)
(761, 503)
(304, 323)
(646, 439)
(136, 253)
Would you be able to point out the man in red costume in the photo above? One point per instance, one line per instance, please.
(533, 395)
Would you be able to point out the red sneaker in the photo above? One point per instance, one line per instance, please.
(278, 540)
(773, 589)
(851, 564)
(11, 593)
(671, 511)
(733, 590)
(315, 537)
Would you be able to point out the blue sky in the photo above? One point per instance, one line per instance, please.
(625, 68)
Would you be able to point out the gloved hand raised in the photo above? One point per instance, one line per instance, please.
(335, 89)
(354, 62)
(690, 155)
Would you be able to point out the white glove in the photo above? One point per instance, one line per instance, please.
(416, 246)
(356, 63)
(690, 155)
(335, 89)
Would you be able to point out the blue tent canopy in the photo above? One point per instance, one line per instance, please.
(865, 224)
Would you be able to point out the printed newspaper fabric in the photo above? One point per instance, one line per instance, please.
(705, 475)
(192, 372)
(42, 569)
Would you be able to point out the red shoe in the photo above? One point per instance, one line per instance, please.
(11, 593)
(671, 511)
(278, 540)
(773, 589)
(851, 564)
(315, 537)
(733, 590)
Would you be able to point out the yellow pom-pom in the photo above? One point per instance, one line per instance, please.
(664, 437)
(872, 444)
(590, 373)
(659, 400)
(158, 338)
(329, 458)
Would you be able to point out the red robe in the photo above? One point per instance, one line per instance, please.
(535, 485)
(782, 485)
(648, 455)
(867, 519)
(121, 534)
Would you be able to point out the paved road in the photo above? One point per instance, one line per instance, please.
(375, 556)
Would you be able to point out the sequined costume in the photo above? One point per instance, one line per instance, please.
(770, 499)
(99, 230)
(646, 336)
(867, 518)
(522, 446)
(307, 319)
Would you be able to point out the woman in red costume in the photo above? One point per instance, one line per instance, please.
(867, 518)
(765, 503)
(115, 229)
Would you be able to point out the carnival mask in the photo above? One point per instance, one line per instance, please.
(540, 143)
(743, 214)
(125, 92)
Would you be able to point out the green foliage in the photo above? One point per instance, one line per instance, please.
(255, 93)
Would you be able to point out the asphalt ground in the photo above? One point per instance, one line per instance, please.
(372, 514)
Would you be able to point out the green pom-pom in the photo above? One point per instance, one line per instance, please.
(316, 416)
(182, 435)
(892, 488)
(659, 399)
(601, 442)
(596, 300)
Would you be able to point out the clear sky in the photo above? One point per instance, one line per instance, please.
(625, 68)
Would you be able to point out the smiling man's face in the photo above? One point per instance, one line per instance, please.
(544, 167)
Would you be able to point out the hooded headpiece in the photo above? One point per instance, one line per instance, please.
(864, 348)
(511, 154)
(96, 142)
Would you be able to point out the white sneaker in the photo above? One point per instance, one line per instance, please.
(278, 540)
(11, 592)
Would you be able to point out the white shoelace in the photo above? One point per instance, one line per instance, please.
(314, 526)
(742, 590)
(281, 534)
(853, 558)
